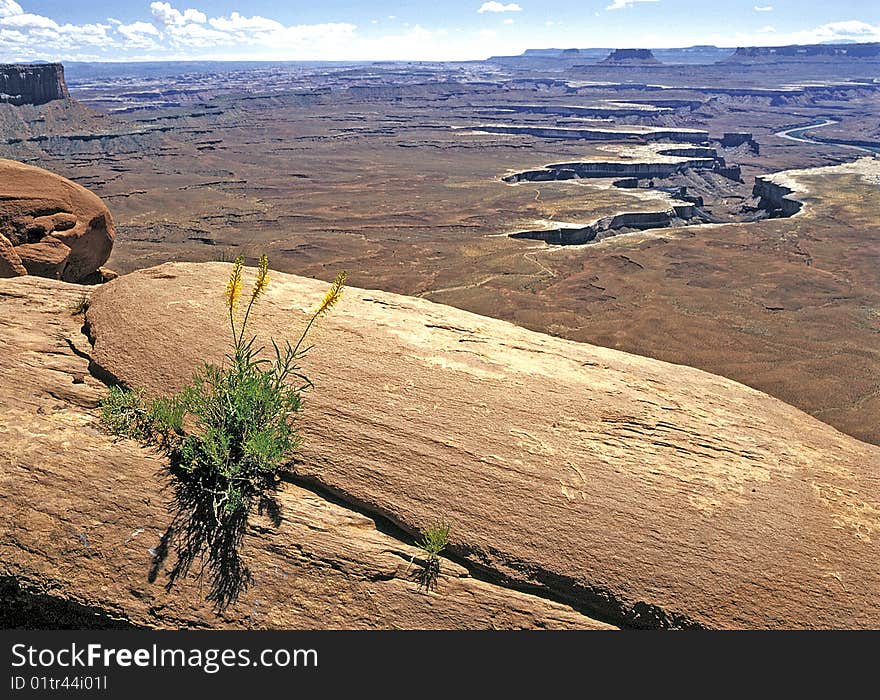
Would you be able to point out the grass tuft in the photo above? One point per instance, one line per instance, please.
(81, 305)
(433, 541)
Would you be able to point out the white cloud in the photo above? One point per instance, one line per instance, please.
(237, 23)
(29, 21)
(847, 30)
(508, 21)
(622, 4)
(853, 29)
(767, 29)
(28, 36)
(165, 14)
(763, 8)
(9, 8)
(138, 35)
(498, 7)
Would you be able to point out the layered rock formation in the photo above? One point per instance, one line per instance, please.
(652, 494)
(773, 196)
(33, 84)
(629, 57)
(50, 226)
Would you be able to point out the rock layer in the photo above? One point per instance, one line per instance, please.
(35, 84)
(81, 515)
(656, 494)
(58, 229)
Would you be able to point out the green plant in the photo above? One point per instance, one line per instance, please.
(243, 435)
(81, 305)
(125, 414)
(433, 541)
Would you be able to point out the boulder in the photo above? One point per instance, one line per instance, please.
(10, 263)
(58, 228)
(650, 494)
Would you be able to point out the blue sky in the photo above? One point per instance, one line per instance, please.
(384, 29)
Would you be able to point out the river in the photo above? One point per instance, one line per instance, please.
(799, 134)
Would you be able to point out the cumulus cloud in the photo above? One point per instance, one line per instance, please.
(179, 33)
(853, 29)
(238, 23)
(767, 29)
(622, 4)
(499, 7)
(165, 14)
(9, 8)
(138, 35)
(763, 8)
(29, 36)
(846, 30)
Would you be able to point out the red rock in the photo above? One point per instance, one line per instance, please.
(81, 511)
(657, 493)
(10, 263)
(48, 258)
(41, 212)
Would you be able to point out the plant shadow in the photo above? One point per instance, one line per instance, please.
(427, 574)
(204, 544)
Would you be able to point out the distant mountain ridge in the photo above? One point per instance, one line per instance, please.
(699, 54)
(837, 50)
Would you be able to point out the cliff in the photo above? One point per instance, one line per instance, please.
(33, 84)
(639, 57)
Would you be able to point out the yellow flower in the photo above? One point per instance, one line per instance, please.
(233, 286)
(333, 295)
(262, 279)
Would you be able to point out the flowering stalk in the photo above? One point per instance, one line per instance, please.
(260, 285)
(233, 293)
(331, 298)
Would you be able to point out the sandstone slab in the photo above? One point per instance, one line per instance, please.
(81, 515)
(656, 494)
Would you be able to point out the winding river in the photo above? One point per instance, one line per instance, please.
(799, 134)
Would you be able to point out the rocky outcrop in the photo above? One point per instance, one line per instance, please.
(32, 84)
(642, 135)
(653, 494)
(774, 198)
(677, 215)
(10, 263)
(82, 515)
(631, 57)
(609, 109)
(614, 168)
(57, 229)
